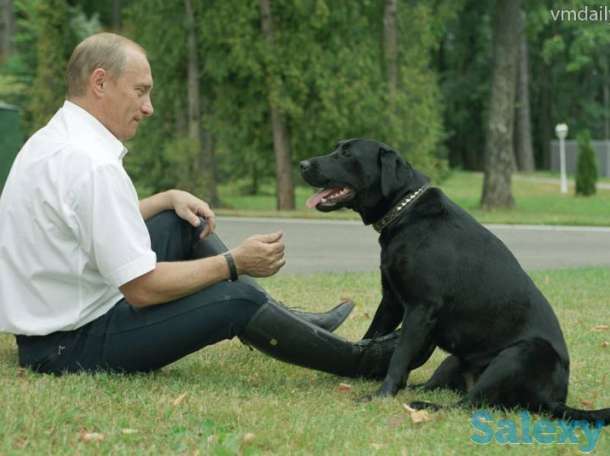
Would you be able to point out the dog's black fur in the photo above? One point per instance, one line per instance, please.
(453, 285)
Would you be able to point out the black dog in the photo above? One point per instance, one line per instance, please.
(452, 284)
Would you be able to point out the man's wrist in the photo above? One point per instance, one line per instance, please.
(168, 199)
(233, 275)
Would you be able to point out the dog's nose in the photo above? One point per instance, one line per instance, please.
(305, 165)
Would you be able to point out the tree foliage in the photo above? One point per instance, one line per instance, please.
(330, 83)
(586, 167)
(33, 76)
(331, 79)
(52, 53)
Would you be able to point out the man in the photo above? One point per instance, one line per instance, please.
(91, 279)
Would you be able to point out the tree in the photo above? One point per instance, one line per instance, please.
(7, 28)
(199, 135)
(323, 71)
(463, 67)
(499, 141)
(390, 44)
(281, 140)
(586, 167)
(524, 152)
(53, 45)
(117, 18)
(568, 59)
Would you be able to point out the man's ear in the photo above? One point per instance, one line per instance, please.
(389, 169)
(97, 81)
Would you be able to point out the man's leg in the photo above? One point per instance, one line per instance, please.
(147, 339)
(171, 238)
(128, 339)
(330, 320)
(140, 340)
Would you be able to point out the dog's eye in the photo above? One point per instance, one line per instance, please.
(345, 152)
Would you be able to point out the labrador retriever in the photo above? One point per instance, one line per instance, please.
(452, 284)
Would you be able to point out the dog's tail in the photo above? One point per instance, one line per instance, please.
(602, 416)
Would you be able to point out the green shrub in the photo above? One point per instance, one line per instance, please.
(586, 168)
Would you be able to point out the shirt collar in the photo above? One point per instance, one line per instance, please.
(85, 119)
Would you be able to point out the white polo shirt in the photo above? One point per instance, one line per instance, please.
(71, 231)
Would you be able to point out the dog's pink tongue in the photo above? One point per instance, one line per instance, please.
(315, 199)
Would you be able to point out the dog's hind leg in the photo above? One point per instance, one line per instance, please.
(527, 375)
(450, 374)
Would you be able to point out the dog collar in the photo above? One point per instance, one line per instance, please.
(396, 210)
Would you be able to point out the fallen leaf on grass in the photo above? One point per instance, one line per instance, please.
(179, 399)
(344, 388)
(21, 443)
(417, 416)
(396, 421)
(586, 403)
(605, 344)
(91, 436)
(129, 431)
(248, 438)
(600, 328)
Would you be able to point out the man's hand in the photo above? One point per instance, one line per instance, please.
(190, 208)
(261, 255)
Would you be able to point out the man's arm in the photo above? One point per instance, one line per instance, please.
(173, 280)
(154, 204)
(187, 207)
(258, 256)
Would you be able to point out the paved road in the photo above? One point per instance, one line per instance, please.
(325, 246)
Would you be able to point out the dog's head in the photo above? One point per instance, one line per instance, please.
(364, 175)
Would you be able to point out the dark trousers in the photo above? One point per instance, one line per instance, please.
(129, 339)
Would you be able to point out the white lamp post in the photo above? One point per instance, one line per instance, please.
(562, 131)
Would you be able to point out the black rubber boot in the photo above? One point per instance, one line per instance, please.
(330, 320)
(279, 333)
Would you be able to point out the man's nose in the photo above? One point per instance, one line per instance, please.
(147, 107)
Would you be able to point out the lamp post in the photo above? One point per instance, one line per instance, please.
(562, 131)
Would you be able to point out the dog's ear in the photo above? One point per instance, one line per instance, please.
(391, 168)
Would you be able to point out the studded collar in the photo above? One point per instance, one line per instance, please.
(393, 213)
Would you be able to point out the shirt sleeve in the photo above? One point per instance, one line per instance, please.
(110, 228)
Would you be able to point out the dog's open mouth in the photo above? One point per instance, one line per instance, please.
(330, 197)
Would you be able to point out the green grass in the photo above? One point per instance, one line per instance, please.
(232, 391)
(536, 203)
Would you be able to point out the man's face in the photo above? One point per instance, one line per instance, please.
(127, 99)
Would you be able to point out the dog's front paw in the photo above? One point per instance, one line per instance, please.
(420, 405)
(387, 390)
(364, 399)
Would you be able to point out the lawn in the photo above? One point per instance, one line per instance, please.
(537, 202)
(228, 399)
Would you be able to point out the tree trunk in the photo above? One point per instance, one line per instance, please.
(116, 15)
(7, 28)
(281, 143)
(606, 100)
(545, 123)
(499, 142)
(204, 166)
(524, 151)
(390, 46)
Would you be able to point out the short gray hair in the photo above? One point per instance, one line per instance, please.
(102, 50)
